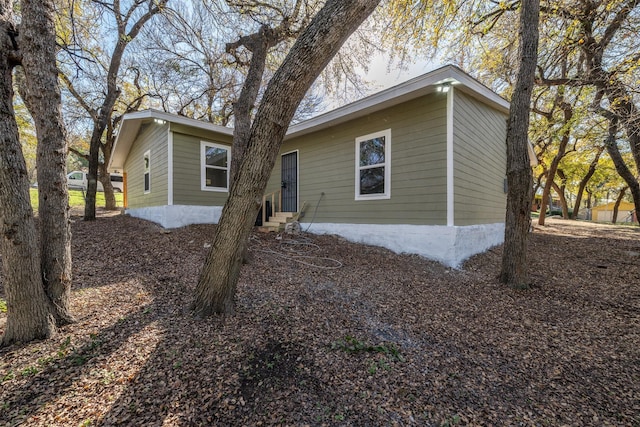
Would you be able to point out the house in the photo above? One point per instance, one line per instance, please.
(417, 168)
(604, 213)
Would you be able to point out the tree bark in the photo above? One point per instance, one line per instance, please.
(44, 102)
(585, 180)
(259, 45)
(621, 166)
(563, 200)
(320, 41)
(102, 116)
(616, 205)
(553, 168)
(109, 194)
(519, 178)
(28, 314)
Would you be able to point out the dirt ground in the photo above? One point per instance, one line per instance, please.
(329, 332)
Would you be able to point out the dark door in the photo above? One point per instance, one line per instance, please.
(290, 182)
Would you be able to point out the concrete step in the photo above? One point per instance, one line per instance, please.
(281, 219)
(283, 215)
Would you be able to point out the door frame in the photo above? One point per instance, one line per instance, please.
(297, 151)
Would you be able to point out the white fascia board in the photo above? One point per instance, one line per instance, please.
(411, 89)
(131, 123)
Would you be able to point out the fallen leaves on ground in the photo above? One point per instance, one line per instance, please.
(329, 332)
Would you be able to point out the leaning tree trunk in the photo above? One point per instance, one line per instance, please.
(28, 315)
(92, 173)
(45, 105)
(109, 195)
(310, 54)
(553, 168)
(616, 206)
(519, 180)
(621, 166)
(259, 45)
(585, 179)
(563, 200)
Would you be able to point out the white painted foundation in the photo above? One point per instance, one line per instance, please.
(176, 216)
(450, 245)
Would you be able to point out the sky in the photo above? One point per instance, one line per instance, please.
(387, 78)
(381, 76)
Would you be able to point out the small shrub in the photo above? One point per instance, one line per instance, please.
(29, 371)
(353, 345)
(7, 377)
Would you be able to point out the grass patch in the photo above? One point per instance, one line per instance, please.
(76, 198)
(354, 345)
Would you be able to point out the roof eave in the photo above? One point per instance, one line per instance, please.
(411, 89)
(130, 126)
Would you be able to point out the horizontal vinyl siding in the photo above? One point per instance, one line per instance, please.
(186, 168)
(151, 137)
(418, 167)
(479, 162)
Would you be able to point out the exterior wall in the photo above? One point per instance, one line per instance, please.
(418, 167)
(186, 167)
(480, 158)
(152, 137)
(604, 213)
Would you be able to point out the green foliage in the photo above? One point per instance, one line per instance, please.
(7, 377)
(3, 306)
(29, 371)
(64, 348)
(353, 345)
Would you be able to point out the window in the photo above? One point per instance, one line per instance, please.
(215, 160)
(373, 166)
(147, 172)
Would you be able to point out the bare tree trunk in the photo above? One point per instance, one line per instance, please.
(109, 194)
(551, 173)
(518, 218)
(621, 167)
(585, 180)
(258, 44)
(28, 315)
(563, 200)
(126, 32)
(92, 173)
(310, 54)
(44, 102)
(616, 205)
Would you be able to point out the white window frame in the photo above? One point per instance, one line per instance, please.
(204, 166)
(387, 166)
(146, 160)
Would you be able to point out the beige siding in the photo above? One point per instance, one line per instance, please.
(479, 162)
(186, 167)
(418, 167)
(152, 137)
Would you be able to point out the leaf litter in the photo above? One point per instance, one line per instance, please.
(329, 332)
